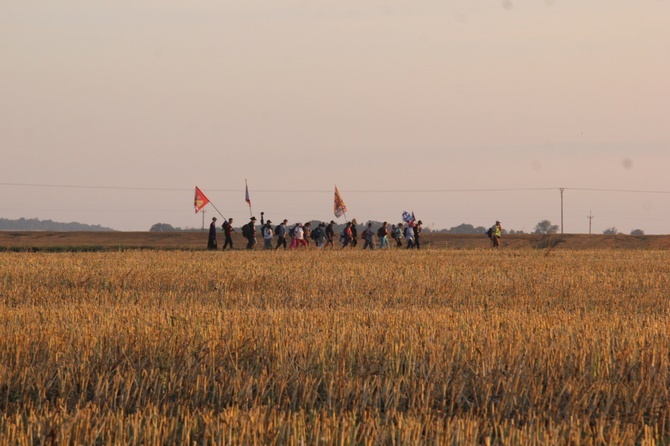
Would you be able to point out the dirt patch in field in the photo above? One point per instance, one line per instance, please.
(87, 241)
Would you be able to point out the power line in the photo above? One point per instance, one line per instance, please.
(361, 191)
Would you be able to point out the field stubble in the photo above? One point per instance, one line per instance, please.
(442, 347)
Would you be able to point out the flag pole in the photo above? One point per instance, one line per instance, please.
(217, 210)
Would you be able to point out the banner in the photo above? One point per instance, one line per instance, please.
(246, 193)
(339, 207)
(200, 200)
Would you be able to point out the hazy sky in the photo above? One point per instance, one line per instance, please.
(464, 111)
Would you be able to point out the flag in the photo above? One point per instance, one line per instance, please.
(340, 208)
(246, 193)
(200, 200)
(407, 217)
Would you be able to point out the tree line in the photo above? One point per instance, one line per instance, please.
(34, 224)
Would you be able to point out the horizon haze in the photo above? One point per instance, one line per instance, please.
(463, 112)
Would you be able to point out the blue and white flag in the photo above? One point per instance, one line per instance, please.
(406, 216)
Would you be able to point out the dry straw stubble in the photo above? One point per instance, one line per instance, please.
(328, 347)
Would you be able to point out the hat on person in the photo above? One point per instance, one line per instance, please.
(497, 221)
(253, 218)
(269, 222)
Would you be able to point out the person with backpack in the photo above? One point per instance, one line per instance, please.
(496, 232)
(318, 235)
(249, 232)
(281, 230)
(268, 234)
(354, 233)
(382, 234)
(368, 235)
(228, 232)
(397, 235)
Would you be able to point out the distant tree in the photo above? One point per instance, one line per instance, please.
(637, 232)
(611, 231)
(465, 228)
(545, 227)
(162, 227)
(34, 224)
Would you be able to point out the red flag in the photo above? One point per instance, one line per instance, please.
(200, 200)
(246, 193)
(339, 207)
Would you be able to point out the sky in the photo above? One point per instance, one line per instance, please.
(462, 111)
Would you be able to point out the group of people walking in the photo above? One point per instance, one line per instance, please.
(322, 236)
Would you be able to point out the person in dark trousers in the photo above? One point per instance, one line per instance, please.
(354, 233)
(211, 240)
(417, 234)
(307, 232)
(346, 235)
(497, 232)
(398, 235)
(267, 233)
(281, 232)
(368, 237)
(409, 234)
(249, 232)
(330, 234)
(228, 232)
(318, 234)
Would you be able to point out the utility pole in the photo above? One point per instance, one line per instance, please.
(590, 217)
(562, 189)
(203, 219)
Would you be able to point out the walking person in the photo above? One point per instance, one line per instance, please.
(211, 240)
(368, 235)
(346, 235)
(417, 234)
(307, 232)
(397, 235)
(268, 234)
(497, 232)
(227, 232)
(319, 234)
(298, 237)
(249, 232)
(330, 234)
(409, 235)
(382, 233)
(281, 230)
(354, 233)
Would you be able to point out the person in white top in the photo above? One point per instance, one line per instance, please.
(268, 234)
(298, 236)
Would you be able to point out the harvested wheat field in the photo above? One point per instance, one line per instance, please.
(522, 346)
